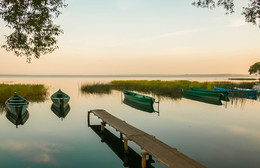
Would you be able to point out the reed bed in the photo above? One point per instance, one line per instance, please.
(31, 92)
(96, 88)
(170, 89)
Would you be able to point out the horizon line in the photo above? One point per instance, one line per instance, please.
(129, 75)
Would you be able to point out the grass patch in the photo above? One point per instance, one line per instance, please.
(96, 88)
(31, 92)
(170, 89)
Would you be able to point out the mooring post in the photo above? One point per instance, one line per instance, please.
(89, 118)
(125, 144)
(144, 159)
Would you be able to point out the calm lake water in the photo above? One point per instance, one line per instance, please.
(225, 136)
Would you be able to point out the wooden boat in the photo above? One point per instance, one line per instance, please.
(60, 111)
(203, 99)
(19, 119)
(138, 106)
(206, 95)
(138, 98)
(16, 105)
(246, 91)
(60, 98)
(223, 97)
(241, 90)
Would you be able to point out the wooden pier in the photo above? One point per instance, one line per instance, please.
(165, 154)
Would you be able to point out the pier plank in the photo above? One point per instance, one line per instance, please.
(165, 154)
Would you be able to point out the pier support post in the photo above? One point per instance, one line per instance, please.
(121, 136)
(89, 118)
(103, 124)
(125, 144)
(144, 159)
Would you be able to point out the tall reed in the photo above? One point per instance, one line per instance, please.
(31, 92)
(96, 88)
(161, 88)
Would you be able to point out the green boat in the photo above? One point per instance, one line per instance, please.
(19, 119)
(60, 98)
(138, 98)
(223, 97)
(203, 99)
(16, 105)
(60, 111)
(138, 106)
(206, 95)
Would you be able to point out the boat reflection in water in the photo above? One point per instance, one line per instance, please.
(139, 106)
(130, 159)
(237, 95)
(60, 110)
(203, 99)
(17, 118)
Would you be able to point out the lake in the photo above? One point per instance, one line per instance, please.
(226, 136)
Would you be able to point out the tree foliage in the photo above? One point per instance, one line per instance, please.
(251, 12)
(254, 69)
(33, 32)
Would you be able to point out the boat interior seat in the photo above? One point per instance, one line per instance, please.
(59, 95)
(16, 101)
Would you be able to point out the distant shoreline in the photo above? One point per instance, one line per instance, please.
(132, 75)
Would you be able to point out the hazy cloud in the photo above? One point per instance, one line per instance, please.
(237, 23)
(126, 4)
(34, 152)
(244, 131)
(181, 32)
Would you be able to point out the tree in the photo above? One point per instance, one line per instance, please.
(254, 69)
(33, 32)
(251, 12)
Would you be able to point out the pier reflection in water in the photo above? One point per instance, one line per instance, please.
(130, 159)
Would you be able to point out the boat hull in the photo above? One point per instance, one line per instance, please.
(60, 98)
(16, 105)
(138, 98)
(239, 90)
(205, 95)
(224, 93)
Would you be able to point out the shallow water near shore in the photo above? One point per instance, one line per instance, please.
(223, 136)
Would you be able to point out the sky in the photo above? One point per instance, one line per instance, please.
(143, 37)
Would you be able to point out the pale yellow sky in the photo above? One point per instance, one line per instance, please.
(143, 37)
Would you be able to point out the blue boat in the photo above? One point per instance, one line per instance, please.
(240, 90)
